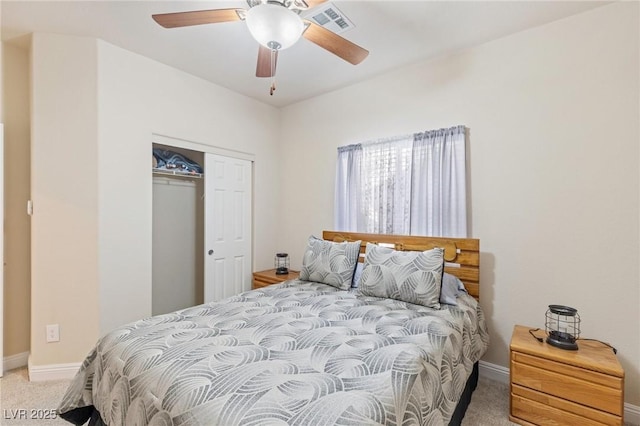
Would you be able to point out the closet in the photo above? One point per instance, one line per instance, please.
(201, 230)
(178, 237)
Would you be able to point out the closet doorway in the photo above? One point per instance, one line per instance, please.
(201, 230)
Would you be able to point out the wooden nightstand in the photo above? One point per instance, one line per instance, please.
(268, 277)
(552, 386)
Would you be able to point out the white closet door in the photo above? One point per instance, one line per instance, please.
(227, 226)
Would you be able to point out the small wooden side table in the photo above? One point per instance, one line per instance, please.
(269, 277)
(553, 386)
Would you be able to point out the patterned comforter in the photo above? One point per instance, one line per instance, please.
(297, 353)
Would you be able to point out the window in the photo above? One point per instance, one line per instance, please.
(412, 185)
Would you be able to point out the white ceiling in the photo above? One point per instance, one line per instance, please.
(395, 32)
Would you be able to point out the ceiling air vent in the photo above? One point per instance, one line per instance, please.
(330, 17)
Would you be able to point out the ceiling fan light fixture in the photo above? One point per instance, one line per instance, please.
(273, 26)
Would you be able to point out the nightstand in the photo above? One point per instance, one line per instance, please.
(552, 386)
(268, 277)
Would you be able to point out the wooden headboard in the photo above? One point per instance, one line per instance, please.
(461, 255)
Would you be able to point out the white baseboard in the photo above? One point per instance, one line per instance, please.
(631, 414)
(12, 362)
(41, 373)
(501, 374)
(494, 372)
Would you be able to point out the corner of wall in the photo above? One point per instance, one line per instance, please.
(64, 224)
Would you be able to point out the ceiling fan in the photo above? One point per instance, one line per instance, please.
(276, 25)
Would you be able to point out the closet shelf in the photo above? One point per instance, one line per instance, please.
(177, 173)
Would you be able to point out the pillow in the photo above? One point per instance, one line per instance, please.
(357, 275)
(330, 263)
(410, 276)
(451, 288)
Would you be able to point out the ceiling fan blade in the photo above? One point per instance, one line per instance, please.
(197, 17)
(335, 44)
(264, 68)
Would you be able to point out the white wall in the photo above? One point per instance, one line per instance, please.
(95, 109)
(64, 190)
(553, 114)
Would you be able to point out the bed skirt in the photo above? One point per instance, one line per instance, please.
(465, 398)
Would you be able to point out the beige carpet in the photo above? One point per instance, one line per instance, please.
(18, 397)
(22, 400)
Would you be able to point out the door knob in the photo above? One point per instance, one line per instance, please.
(210, 252)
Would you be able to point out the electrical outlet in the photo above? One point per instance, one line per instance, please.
(53, 333)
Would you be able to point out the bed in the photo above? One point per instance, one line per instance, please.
(310, 351)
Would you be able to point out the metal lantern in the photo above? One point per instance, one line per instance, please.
(282, 263)
(562, 324)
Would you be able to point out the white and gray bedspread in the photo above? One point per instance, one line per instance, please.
(297, 353)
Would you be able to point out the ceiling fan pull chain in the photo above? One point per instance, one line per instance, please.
(273, 72)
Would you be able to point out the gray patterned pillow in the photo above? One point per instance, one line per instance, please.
(411, 276)
(330, 263)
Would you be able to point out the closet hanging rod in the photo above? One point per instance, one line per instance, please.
(177, 173)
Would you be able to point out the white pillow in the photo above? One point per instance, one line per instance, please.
(451, 288)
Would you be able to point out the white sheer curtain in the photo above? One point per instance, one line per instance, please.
(373, 187)
(385, 188)
(412, 185)
(439, 195)
(348, 212)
